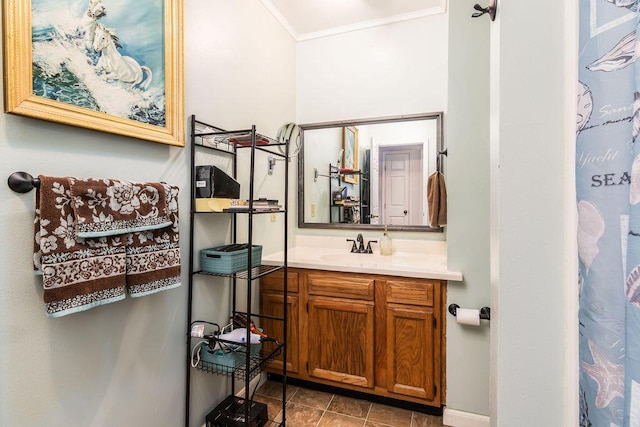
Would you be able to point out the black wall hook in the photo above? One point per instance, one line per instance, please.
(491, 10)
(22, 182)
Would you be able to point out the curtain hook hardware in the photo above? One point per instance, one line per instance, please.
(491, 10)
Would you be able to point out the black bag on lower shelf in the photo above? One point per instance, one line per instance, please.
(230, 412)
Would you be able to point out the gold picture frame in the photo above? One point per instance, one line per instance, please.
(350, 153)
(34, 45)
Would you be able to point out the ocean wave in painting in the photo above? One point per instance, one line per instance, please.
(66, 69)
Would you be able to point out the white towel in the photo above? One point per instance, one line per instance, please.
(240, 336)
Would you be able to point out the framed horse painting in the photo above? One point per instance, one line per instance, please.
(114, 66)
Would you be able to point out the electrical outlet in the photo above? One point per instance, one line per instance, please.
(273, 217)
(313, 210)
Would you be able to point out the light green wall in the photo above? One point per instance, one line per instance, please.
(467, 176)
(123, 364)
(530, 135)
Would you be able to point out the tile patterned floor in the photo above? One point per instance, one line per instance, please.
(311, 408)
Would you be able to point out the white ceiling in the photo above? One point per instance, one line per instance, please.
(307, 19)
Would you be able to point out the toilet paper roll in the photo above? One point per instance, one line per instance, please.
(468, 316)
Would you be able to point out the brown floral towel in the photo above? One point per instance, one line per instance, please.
(104, 207)
(77, 274)
(153, 257)
(81, 273)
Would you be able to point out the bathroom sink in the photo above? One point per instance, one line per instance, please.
(404, 259)
(409, 259)
(398, 259)
(351, 259)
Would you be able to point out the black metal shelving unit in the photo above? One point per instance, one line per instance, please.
(334, 173)
(215, 140)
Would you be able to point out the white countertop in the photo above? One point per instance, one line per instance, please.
(411, 258)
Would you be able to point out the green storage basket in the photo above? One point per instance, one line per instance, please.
(228, 259)
(226, 361)
(222, 361)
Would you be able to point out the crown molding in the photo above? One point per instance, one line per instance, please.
(441, 8)
(280, 18)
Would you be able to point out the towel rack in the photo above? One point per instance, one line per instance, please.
(22, 182)
(438, 157)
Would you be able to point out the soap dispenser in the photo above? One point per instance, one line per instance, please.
(386, 245)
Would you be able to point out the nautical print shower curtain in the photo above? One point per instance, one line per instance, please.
(608, 203)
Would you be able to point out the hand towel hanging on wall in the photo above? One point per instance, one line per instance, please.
(81, 273)
(104, 207)
(437, 200)
(153, 256)
(77, 274)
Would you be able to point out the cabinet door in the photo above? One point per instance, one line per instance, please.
(340, 341)
(271, 304)
(411, 356)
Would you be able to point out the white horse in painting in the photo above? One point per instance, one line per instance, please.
(115, 65)
(96, 9)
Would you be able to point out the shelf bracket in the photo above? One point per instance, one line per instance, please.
(316, 175)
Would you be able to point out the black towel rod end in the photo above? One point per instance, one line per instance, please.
(453, 309)
(22, 182)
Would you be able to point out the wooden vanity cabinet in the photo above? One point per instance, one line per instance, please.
(340, 342)
(413, 338)
(371, 333)
(272, 304)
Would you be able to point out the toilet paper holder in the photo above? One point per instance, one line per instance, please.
(485, 312)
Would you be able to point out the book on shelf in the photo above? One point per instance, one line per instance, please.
(237, 208)
(349, 201)
(216, 204)
(258, 205)
(245, 140)
(264, 202)
(255, 209)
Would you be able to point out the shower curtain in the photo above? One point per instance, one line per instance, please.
(608, 203)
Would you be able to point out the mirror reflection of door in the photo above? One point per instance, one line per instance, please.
(401, 184)
(419, 135)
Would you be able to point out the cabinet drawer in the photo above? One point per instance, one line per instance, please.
(340, 285)
(410, 292)
(275, 281)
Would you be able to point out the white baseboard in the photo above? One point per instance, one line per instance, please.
(454, 418)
